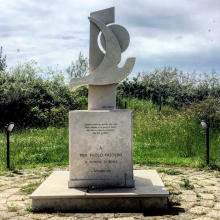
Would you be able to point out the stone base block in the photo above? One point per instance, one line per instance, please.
(100, 148)
(54, 195)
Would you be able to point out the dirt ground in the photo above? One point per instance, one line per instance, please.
(194, 194)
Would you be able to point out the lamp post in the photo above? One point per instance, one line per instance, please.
(8, 128)
(206, 126)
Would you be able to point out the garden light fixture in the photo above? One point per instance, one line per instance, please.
(8, 128)
(206, 126)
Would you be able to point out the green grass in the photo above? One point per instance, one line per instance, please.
(169, 171)
(36, 147)
(168, 138)
(30, 188)
(186, 184)
(29, 209)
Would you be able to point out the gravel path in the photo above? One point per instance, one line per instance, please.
(194, 194)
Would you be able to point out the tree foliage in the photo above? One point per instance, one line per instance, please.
(79, 68)
(31, 100)
(207, 110)
(2, 61)
(172, 87)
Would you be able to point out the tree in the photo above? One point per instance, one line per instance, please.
(79, 68)
(2, 61)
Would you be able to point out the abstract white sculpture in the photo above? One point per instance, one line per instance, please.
(103, 68)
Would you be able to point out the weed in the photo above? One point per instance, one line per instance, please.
(215, 199)
(169, 171)
(199, 184)
(30, 188)
(61, 214)
(29, 209)
(197, 195)
(45, 175)
(12, 208)
(36, 172)
(9, 175)
(15, 171)
(33, 177)
(217, 175)
(175, 193)
(186, 184)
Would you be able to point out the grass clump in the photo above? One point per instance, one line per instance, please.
(9, 175)
(215, 199)
(186, 184)
(45, 175)
(217, 175)
(61, 214)
(29, 209)
(12, 208)
(169, 171)
(30, 188)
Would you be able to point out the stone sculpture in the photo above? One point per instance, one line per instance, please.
(103, 67)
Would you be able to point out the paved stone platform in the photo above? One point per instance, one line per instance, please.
(54, 194)
(199, 203)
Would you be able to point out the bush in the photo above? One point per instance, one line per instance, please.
(172, 87)
(208, 110)
(31, 100)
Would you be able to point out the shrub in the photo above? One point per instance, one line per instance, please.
(208, 110)
(33, 98)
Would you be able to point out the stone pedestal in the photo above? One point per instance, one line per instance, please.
(101, 148)
(102, 97)
(54, 195)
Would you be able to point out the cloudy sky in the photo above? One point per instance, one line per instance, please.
(184, 34)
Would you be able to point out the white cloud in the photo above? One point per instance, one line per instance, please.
(182, 33)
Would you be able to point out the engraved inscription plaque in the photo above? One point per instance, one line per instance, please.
(101, 148)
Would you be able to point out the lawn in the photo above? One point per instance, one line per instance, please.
(36, 147)
(169, 137)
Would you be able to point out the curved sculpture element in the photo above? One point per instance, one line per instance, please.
(107, 72)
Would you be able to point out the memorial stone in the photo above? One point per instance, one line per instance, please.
(101, 145)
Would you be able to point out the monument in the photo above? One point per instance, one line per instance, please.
(101, 176)
(102, 156)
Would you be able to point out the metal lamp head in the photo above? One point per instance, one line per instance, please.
(9, 127)
(205, 124)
